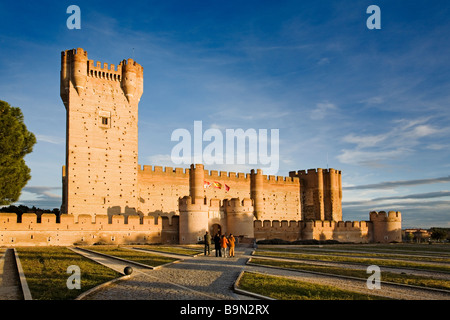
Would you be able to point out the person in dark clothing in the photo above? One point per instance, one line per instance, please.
(207, 239)
(217, 244)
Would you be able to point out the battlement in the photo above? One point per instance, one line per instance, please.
(382, 216)
(236, 204)
(336, 224)
(46, 220)
(187, 203)
(293, 224)
(161, 171)
(281, 179)
(46, 229)
(215, 174)
(130, 64)
(225, 175)
(314, 172)
(102, 71)
(79, 52)
(111, 71)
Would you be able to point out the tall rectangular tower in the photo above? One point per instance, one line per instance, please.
(100, 174)
(321, 194)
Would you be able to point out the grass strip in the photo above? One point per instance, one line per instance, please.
(45, 269)
(408, 257)
(417, 249)
(149, 259)
(282, 288)
(369, 261)
(385, 276)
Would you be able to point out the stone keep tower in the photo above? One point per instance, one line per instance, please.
(321, 194)
(100, 173)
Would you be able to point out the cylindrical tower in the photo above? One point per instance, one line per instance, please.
(132, 80)
(79, 69)
(193, 221)
(239, 217)
(386, 227)
(257, 192)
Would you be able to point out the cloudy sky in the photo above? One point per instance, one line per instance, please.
(372, 103)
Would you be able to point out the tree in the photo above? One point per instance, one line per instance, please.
(438, 234)
(15, 143)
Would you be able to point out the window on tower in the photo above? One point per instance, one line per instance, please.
(105, 119)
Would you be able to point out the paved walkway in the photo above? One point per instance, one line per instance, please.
(199, 278)
(9, 279)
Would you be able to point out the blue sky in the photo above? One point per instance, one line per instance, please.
(372, 103)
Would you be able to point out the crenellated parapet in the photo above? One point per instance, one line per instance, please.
(281, 180)
(227, 176)
(161, 171)
(276, 229)
(104, 70)
(236, 205)
(188, 203)
(382, 216)
(76, 68)
(47, 229)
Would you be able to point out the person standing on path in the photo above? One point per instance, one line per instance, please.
(231, 241)
(217, 244)
(207, 238)
(224, 245)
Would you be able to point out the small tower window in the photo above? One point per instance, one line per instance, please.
(105, 119)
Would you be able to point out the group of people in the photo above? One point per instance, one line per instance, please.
(222, 244)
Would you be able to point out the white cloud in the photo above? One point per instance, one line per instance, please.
(50, 139)
(39, 192)
(323, 61)
(164, 160)
(321, 110)
(401, 140)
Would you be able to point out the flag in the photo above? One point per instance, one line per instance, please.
(206, 184)
(227, 188)
(217, 185)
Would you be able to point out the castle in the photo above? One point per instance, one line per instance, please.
(108, 197)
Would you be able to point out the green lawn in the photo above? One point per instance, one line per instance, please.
(281, 288)
(45, 270)
(150, 259)
(410, 256)
(385, 276)
(170, 249)
(363, 260)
